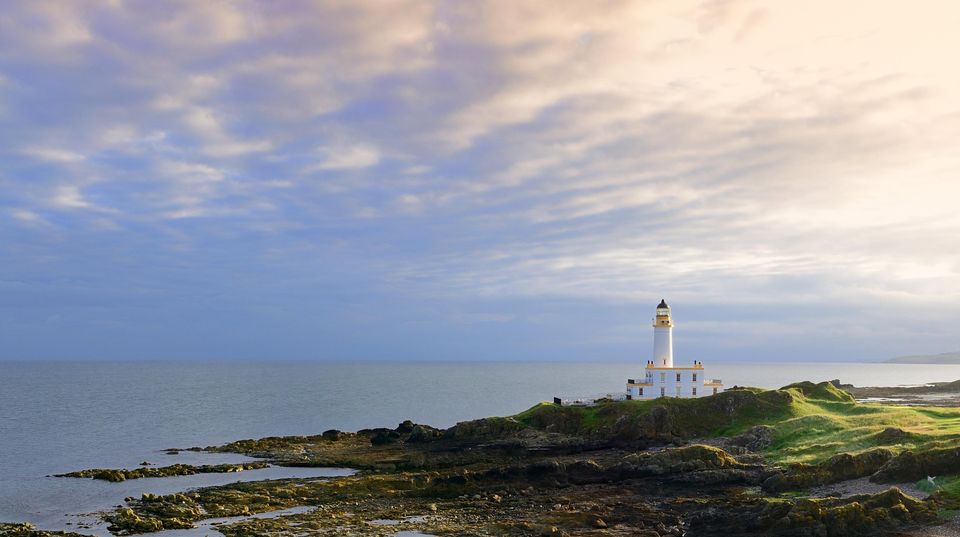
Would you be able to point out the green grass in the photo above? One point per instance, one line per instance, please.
(949, 487)
(823, 429)
(811, 422)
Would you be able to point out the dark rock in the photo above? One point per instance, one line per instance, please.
(756, 438)
(838, 468)
(27, 530)
(892, 435)
(405, 427)
(484, 430)
(384, 437)
(861, 515)
(164, 471)
(545, 468)
(684, 459)
(910, 466)
(332, 434)
(584, 472)
(423, 433)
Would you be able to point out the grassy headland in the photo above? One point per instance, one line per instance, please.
(808, 422)
(744, 462)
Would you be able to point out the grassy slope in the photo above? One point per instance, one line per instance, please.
(811, 422)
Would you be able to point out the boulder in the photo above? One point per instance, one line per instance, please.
(892, 435)
(384, 437)
(691, 458)
(754, 439)
(910, 466)
(332, 434)
(841, 467)
(127, 522)
(423, 433)
(483, 430)
(860, 515)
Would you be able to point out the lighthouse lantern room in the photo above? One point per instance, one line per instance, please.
(661, 378)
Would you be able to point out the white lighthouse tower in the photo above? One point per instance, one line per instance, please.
(663, 336)
(661, 378)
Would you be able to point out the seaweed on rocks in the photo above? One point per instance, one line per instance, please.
(910, 466)
(842, 467)
(862, 515)
(28, 530)
(716, 465)
(164, 471)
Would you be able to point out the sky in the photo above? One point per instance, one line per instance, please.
(479, 180)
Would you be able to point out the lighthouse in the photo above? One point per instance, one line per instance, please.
(663, 336)
(660, 377)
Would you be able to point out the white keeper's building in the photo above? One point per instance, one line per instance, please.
(661, 378)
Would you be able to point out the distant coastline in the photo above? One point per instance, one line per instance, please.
(952, 358)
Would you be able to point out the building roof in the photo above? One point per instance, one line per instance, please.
(662, 304)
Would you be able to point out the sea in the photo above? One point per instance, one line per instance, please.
(57, 417)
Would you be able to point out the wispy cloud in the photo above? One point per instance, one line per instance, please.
(347, 157)
(69, 197)
(770, 156)
(53, 154)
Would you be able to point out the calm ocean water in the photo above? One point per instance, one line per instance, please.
(59, 417)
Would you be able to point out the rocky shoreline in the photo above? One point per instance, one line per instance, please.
(115, 476)
(743, 462)
(941, 394)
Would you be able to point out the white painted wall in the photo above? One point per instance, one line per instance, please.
(666, 380)
(663, 346)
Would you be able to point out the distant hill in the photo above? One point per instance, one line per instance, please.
(945, 358)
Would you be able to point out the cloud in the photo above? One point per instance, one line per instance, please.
(727, 152)
(53, 154)
(26, 216)
(348, 157)
(69, 197)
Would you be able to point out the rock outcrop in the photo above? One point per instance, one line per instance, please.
(164, 471)
(838, 468)
(28, 530)
(910, 466)
(617, 468)
(862, 515)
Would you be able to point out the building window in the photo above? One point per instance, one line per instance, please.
(641, 392)
(663, 392)
(694, 391)
(678, 377)
(663, 378)
(714, 391)
(694, 377)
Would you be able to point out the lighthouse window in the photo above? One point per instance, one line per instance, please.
(678, 377)
(663, 391)
(694, 378)
(641, 392)
(694, 391)
(663, 378)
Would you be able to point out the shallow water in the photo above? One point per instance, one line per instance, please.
(204, 527)
(64, 503)
(209, 526)
(57, 417)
